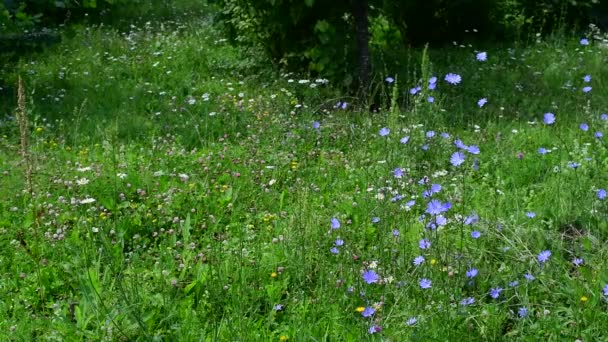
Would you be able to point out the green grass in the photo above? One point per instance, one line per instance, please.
(209, 213)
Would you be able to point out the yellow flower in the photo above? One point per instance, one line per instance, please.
(273, 274)
(433, 262)
(39, 129)
(584, 299)
(360, 309)
(283, 338)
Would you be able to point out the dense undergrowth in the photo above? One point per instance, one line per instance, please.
(176, 187)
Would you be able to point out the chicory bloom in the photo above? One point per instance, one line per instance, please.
(425, 283)
(495, 292)
(424, 244)
(584, 41)
(522, 312)
(467, 301)
(587, 89)
(370, 276)
(384, 131)
(368, 312)
(418, 260)
(335, 224)
(475, 234)
(482, 102)
(549, 118)
(472, 273)
(457, 158)
(473, 149)
(398, 172)
(587, 78)
(453, 78)
(601, 194)
(482, 56)
(544, 256)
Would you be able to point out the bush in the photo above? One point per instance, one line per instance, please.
(319, 34)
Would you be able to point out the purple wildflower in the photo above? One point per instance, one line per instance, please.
(384, 131)
(418, 260)
(453, 78)
(471, 273)
(601, 194)
(522, 312)
(339, 242)
(531, 214)
(467, 301)
(335, 224)
(375, 219)
(573, 165)
(475, 234)
(495, 292)
(587, 78)
(584, 127)
(604, 117)
(549, 118)
(460, 144)
(529, 277)
(435, 207)
(398, 172)
(577, 261)
(605, 289)
(425, 283)
(396, 232)
(316, 124)
(413, 320)
(587, 89)
(441, 220)
(404, 140)
(471, 219)
(370, 276)
(374, 329)
(473, 149)
(482, 56)
(389, 80)
(334, 250)
(542, 150)
(482, 102)
(544, 256)
(430, 134)
(430, 99)
(278, 307)
(457, 158)
(424, 244)
(368, 312)
(599, 134)
(584, 41)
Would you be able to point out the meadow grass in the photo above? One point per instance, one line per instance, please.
(185, 190)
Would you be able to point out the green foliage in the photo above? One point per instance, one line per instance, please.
(319, 35)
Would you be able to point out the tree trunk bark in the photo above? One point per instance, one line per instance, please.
(360, 15)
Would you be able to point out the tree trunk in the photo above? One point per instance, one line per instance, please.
(360, 16)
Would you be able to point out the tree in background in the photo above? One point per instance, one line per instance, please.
(331, 38)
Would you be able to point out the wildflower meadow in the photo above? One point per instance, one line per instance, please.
(162, 184)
